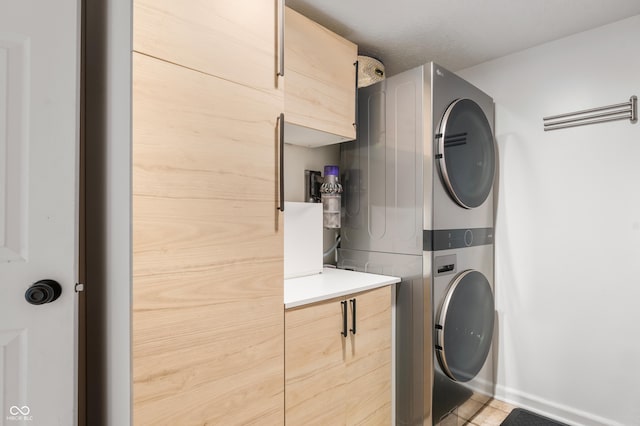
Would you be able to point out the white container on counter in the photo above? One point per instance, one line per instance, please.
(302, 239)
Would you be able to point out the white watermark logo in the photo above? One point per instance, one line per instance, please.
(19, 413)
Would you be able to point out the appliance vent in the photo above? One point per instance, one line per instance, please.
(370, 71)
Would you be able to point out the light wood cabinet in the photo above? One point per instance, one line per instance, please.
(332, 379)
(320, 79)
(234, 40)
(208, 318)
(369, 362)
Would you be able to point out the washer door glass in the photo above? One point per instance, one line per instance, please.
(466, 153)
(464, 327)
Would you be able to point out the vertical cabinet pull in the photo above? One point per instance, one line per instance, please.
(281, 38)
(281, 171)
(344, 318)
(355, 122)
(353, 315)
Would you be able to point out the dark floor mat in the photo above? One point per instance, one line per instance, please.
(520, 417)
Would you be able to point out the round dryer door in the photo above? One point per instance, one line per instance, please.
(464, 326)
(466, 153)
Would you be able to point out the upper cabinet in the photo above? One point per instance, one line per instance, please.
(320, 83)
(234, 40)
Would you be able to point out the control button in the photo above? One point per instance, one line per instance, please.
(468, 237)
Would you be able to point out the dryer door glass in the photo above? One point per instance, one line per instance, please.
(466, 153)
(464, 329)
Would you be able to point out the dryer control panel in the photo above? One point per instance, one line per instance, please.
(446, 239)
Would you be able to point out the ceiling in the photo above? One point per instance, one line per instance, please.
(457, 33)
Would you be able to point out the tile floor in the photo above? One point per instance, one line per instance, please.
(491, 413)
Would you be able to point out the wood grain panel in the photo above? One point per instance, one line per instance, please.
(320, 76)
(315, 365)
(234, 40)
(207, 252)
(333, 380)
(369, 361)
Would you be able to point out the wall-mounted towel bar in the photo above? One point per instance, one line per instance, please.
(623, 111)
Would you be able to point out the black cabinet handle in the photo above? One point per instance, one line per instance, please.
(281, 173)
(344, 318)
(353, 315)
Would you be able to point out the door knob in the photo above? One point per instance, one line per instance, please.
(44, 291)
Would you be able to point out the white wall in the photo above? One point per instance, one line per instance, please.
(568, 228)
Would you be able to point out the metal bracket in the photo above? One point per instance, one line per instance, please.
(312, 183)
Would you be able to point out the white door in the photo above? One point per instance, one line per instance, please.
(39, 134)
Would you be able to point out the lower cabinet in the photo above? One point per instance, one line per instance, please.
(335, 379)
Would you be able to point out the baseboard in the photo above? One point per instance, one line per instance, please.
(481, 386)
(553, 410)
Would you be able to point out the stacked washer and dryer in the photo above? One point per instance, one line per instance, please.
(418, 203)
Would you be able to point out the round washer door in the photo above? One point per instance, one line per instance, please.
(464, 326)
(466, 153)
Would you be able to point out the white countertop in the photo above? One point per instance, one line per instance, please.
(329, 284)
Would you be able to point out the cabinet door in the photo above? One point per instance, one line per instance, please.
(207, 250)
(369, 360)
(315, 365)
(234, 40)
(320, 77)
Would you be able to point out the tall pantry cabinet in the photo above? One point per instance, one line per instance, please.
(207, 299)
